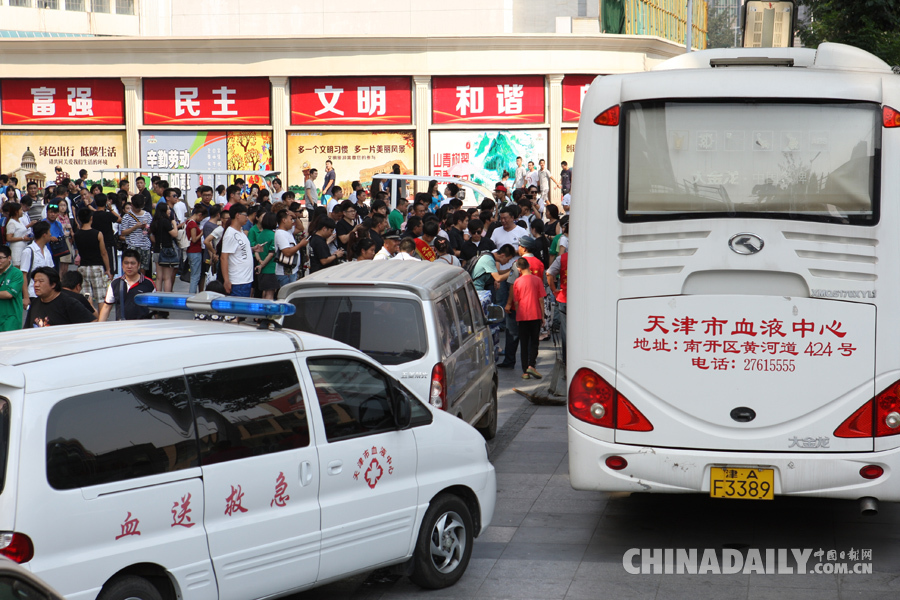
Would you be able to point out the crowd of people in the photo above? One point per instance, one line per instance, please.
(72, 254)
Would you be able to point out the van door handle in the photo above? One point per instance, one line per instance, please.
(305, 473)
(335, 467)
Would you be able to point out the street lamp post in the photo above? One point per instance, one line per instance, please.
(690, 26)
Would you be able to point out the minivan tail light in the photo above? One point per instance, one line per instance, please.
(16, 546)
(609, 117)
(879, 417)
(437, 396)
(594, 401)
(890, 117)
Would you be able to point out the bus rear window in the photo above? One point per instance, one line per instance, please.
(686, 160)
(390, 330)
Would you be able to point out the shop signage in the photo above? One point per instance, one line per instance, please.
(207, 101)
(574, 89)
(63, 101)
(507, 99)
(351, 101)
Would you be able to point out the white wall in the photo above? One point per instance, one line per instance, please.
(539, 16)
(16, 18)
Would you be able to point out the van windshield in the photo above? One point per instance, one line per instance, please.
(815, 162)
(390, 330)
(4, 440)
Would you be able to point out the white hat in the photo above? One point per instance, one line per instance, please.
(567, 199)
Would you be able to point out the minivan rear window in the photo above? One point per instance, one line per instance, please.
(390, 330)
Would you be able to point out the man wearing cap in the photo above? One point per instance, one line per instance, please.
(566, 202)
(500, 195)
(391, 244)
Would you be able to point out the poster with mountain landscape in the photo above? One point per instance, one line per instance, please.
(482, 156)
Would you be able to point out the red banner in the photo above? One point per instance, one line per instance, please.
(511, 99)
(574, 88)
(207, 101)
(63, 102)
(351, 101)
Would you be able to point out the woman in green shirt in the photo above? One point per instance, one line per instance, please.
(265, 269)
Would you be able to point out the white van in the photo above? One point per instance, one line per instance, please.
(212, 461)
(421, 320)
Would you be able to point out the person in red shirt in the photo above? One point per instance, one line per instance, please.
(195, 249)
(526, 300)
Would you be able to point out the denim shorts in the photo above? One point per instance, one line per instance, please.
(242, 290)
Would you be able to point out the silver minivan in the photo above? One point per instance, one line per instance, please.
(421, 320)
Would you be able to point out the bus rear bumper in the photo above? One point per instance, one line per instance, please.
(667, 470)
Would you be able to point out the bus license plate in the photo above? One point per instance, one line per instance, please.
(745, 484)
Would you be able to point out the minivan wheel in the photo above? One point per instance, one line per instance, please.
(445, 543)
(129, 587)
(487, 426)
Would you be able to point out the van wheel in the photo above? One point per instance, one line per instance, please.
(487, 426)
(444, 545)
(129, 587)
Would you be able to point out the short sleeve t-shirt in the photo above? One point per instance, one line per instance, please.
(190, 229)
(395, 219)
(240, 263)
(501, 237)
(267, 238)
(528, 293)
(318, 251)
(329, 177)
(310, 194)
(284, 239)
(62, 310)
(11, 310)
(481, 273)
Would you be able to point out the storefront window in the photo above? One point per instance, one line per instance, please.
(124, 7)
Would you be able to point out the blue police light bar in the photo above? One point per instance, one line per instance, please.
(163, 301)
(250, 307)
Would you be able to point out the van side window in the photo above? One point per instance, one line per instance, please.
(467, 328)
(120, 433)
(449, 335)
(248, 411)
(477, 308)
(354, 398)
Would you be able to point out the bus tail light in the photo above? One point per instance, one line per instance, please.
(438, 394)
(594, 401)
(890, 117)
(16, 546)
(879, 417)
(609, 117)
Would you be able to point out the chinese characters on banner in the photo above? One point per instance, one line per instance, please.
(574, 89)
(185, 150)
(207, 101)
(484, 154)
(510, 99)
(34, 155)
(568, 146)
(714, 343)
(63, 102)
(351, 101)
(355, 156)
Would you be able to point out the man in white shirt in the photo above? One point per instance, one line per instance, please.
(337, 197)
(277, 191)
(544, 178)
(310, 194)
(36, 254)
(520, 174)
(286, 244)
(236, 260)
(391, 245)
(532, 176)
(407, 250)
(507, 233)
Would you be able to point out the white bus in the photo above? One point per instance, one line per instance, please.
(735, 278)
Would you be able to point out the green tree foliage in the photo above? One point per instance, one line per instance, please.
(873, 25)
(720, 32)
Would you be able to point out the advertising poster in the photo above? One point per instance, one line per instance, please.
(34, 155)
(568, 149)
(250, 151)
(355, 156)
(185, 150)
(482, 156)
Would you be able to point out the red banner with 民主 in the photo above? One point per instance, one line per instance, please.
(207, 101)
(63, 101)
(480, 99)
(351, 101)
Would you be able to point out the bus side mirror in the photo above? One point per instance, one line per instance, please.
(495, 314)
